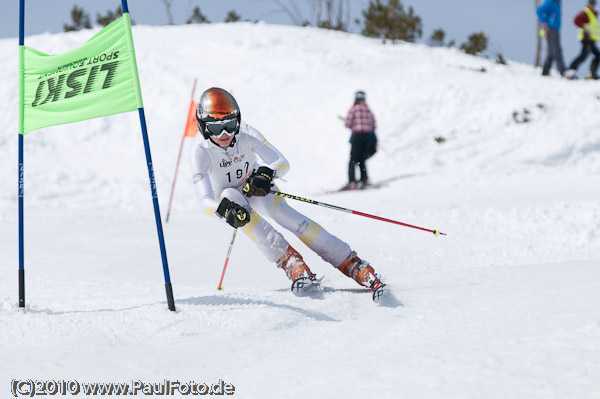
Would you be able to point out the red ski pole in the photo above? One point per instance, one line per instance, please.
(220, 286)
(436, 232)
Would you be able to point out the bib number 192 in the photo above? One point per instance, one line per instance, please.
(239, 173)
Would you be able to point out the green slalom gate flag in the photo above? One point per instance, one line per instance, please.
(97, 79)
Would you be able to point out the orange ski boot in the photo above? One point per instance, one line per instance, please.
(304, 282)
(362, 272)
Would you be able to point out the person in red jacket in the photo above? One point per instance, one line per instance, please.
(589, 32)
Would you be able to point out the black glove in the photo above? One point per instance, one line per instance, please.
(259, 182)
(236, 215)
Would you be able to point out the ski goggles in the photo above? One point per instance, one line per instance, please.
(219, 128)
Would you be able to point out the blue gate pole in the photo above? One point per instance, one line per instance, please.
(21, 170)
(161, 239)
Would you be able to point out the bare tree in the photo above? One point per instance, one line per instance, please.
(538, 48)
(336, 18)
(290, 8)
(330, 14)
(168, 4)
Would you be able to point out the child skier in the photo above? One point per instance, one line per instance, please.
(233, 167)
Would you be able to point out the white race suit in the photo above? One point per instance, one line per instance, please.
(221, 172)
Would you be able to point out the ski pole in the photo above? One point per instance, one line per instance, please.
(220, 286)
(436, 232)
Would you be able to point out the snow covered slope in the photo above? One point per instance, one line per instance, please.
(505, 306)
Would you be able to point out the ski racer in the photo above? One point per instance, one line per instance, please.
(233, 168)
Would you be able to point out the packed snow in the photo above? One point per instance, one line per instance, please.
(502, 160)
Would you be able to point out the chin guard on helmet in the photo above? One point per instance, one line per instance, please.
(217, 112)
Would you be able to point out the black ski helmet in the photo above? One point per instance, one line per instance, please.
(217, 105)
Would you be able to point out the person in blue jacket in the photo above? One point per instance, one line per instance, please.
(549, 14)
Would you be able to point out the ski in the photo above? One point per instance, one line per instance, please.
(382, 297)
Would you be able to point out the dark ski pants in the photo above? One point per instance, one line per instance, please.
(588, 46)
(358, 155)
(554, 53)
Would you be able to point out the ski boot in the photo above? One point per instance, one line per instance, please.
(363, 184)
(363, 274)
(350, 186)
(304, 282)
(570, 74)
